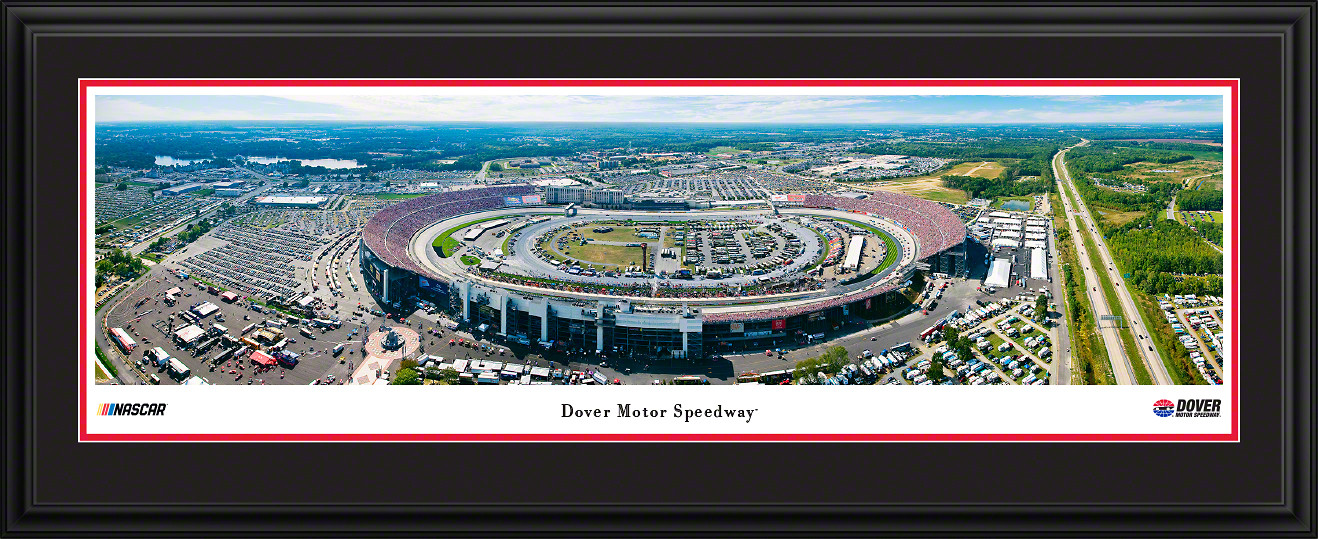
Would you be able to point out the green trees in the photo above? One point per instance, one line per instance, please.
(1002, 186)
(936, 374)
(830, 362)
(119, 263)
(1112, 156)
(495, 167)
(1166, 257)
(1041, 308)
(123, 186)
(448, 377)
(1013, 148)
(1200, 200)
(406, 377)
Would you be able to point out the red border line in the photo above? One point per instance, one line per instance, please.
(1234, 85)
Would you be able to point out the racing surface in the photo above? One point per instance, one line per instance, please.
(523, 261)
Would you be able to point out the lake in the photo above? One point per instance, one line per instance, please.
(1017, 205)
(168, 161)
(327, 163)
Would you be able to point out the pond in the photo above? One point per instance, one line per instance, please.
(169, 161)
(1017, 205)
(327, 163)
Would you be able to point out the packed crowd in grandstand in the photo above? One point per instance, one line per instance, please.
(390, 231)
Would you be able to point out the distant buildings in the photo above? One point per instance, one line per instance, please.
(609, 198)
(284, 201)
(182, 189)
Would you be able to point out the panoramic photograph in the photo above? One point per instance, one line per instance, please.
(658, 239)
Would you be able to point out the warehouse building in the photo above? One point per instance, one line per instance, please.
(285, 201)
(182, 189)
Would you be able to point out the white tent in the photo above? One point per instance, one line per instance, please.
(998, 273)
(1036, 244)
(1038, 264)
(1003, 242)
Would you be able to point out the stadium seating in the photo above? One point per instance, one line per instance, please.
(934, 226)
(387, 233)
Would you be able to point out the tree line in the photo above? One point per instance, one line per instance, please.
(1200, 200)
(1166, 257)
(118, 263)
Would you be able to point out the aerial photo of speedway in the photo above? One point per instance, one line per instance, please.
(822, 259)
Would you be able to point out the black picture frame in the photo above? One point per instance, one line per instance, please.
(1260, 486)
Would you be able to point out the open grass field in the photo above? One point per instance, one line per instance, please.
(445, 242)
(722, 149)
(604, 255)
(1204, 181)
(1185, 169)
(1118, 217)
(983, 169)
(930, 186)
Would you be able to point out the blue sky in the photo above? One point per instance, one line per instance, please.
(659, 108)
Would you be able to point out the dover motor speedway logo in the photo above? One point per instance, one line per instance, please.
(1188, 408)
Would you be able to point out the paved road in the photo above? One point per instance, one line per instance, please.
(1061, 330)
(1121, 369)
(1134, 317)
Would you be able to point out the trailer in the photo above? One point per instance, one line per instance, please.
(177, 369)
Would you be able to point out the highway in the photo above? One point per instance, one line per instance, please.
(1121, 369)
(1138, 327)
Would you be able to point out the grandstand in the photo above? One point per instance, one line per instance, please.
(390, 231)
(682, 322)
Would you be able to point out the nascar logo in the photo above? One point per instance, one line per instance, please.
(136, 408)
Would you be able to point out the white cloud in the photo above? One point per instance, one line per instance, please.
(660, 108)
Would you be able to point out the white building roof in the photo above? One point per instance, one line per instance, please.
(1038, 264)
(190, 333)
(854, 250)
(206, 309)
(998, 273)
(279, 199)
